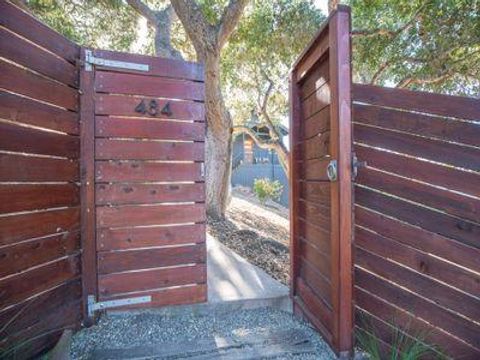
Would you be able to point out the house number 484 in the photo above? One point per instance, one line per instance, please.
(151, 108)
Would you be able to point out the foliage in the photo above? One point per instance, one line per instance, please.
(403, 346)
(431, 45)
(266, 189)
(269, 37)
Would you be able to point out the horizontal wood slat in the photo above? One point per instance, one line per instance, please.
(19, 287)
(147, 194)
(422, 308)
(146, 171)
(439, 151)
(29, 140)
(32, 169)
(26, 83)
(315, 191)
(27, 26)
(315, 169)
(319, 284)
(16, 228)
(119, 216)
(46, 303)
(158, 66)
(116, 83)
(419, 261)
(138, 237)
(317, 146)
(427, 241)
(27, 111)
(314, 304)
(447, 201)
(118, 261)
(148, 129)
(419, 124)
(384, 311)
(30, 56)
(316, 51)
(315, 214)
(22, 197)
(315, 235)
(118, 105)
(151, 279)
(174, 296)
(424, 286)
(318, 123)
(321, 261)
(21, 256)
(317, 77)
(443, 105)
(316, 102)
(443, 224)
(447, 177)
(108, 149)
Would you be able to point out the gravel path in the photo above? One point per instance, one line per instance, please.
(259, 233)
(148, 329)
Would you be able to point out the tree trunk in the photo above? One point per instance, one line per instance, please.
(218, 141)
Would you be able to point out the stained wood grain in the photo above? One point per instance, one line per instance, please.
(25, 226)
(138, 237)
(149, 215)
(142, 171)
(19, 287)
(30, 56)
(23, 197)
(434, 150)
(26, 83)
(27, 111)
(154, 279)
(158, 66)
(122, 194)
(314, 305)
(27, 26)
(116, 83)
(28, 140)
(316, 102)
(28, 168)
(427, 241)
(20, 257)
(419, 124)
(419, 261)
(443, 224)
(148, 129)
(109, 149)
(318, 123)
(118, 261)
(443, 105)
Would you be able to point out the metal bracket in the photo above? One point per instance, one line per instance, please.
(92, 60)
(332, 170)
(202, 169)
(356, 165)
(95, 306)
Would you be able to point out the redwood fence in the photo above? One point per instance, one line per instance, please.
(87, 209)
(417, 216)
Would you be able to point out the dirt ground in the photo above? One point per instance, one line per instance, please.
(259, 233)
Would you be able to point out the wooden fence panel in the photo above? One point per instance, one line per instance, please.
(146, 167)
(418, 216)
(321, 208)
(39, 191)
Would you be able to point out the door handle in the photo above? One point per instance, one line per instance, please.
(332, 170)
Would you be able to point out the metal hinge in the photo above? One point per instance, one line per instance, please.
(101, 305)
(92, 60)
(202, 169)
(356, 165)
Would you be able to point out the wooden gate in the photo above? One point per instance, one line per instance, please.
(321, 186)
(143, 180)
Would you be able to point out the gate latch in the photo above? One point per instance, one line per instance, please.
(101, 305)
(332, 170)
(356, 165)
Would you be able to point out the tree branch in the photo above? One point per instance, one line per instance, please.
(277, 146)
(230, 17)
(143, 10)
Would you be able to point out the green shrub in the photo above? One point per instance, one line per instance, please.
(266, 189)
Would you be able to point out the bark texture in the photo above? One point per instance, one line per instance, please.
(208, 40)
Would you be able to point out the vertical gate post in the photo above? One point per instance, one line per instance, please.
(341, 149)
(87, 191)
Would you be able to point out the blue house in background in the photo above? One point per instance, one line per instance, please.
(250, 162)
